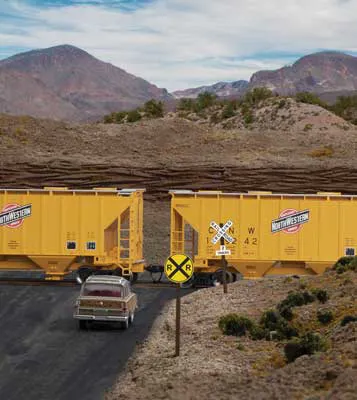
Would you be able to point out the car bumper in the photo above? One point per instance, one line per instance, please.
(112, 318)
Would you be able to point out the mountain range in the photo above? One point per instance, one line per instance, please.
(65, 82)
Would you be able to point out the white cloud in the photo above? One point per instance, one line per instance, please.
(182, 43)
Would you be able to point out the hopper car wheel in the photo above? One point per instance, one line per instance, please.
(156, 276)
(83, 273)
(82, 324)
(236, 276)
(188, 284)
(229, 276)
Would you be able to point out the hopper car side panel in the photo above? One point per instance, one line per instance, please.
(62, 230)
(274, 233)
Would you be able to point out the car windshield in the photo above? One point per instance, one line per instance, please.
(102, 290)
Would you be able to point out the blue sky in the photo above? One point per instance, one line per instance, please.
(183, 43)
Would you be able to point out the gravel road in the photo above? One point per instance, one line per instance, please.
(44, 356)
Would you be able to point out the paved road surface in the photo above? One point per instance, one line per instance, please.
(44, 356)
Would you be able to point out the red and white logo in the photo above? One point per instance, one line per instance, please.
(12, 215)
(290, 221)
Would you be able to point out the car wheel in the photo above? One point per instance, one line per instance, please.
(131, 318)
(125, 324)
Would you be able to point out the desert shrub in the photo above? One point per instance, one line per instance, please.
(215, 118)
(204, 100)
(321, 295)
(345, 264)
(229, 110)
(154, 109)
(296, 299)
(109, 119)
(307, 127)
(258, 333)
(326, 151)
(310, 98)
(235, 325)
(308, 344)
(119, 117)
(248, 118)
(286, 312)
(272, 321)
(186, 105)
(324, 316)
(346, 107)
(347, 319)
(256, 95)
(282, 103)
(133, 116)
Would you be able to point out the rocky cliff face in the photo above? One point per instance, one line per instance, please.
(319, 72)
(69, 83)
(221, 89)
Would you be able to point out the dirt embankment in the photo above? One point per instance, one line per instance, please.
(176, 153)
(214, 366)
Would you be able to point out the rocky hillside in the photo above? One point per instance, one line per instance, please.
(332, 73)
(221, 89)
(319, 72)
(65, 82)
(312, 355)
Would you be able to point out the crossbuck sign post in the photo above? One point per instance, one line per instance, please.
(222, 236)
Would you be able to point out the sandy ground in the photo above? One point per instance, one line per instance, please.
(213, 366)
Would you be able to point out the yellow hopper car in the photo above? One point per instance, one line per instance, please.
(57, 231)
(264, 233)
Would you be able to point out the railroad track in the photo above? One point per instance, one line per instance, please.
(70, 283)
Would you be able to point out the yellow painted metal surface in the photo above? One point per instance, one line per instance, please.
(273, 233)
(57, 230)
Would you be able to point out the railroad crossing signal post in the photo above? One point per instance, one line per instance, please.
(178, 269)
(224, 265)
(222, 236)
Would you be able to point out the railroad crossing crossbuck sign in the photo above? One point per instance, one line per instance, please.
(178, 268)
(222, 232)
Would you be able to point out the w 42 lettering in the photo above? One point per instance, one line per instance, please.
(251, 241)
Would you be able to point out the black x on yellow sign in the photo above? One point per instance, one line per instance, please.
(179, 268)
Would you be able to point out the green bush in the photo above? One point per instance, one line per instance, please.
(286, 312)
(271, 320)
(282, 103)
(324, 317)
(204, 100)
(133, 116)
(321, 295)
(120, 116)
(296, 299)
(109, 119)
(345, 264)
(154, 109)
(347, 319)
(310, 98)
(307, 344)
(186, 105)
(346, 107)
(258, 333)
(256, 95)
(248, 118)
(229, 110)
(235, 325)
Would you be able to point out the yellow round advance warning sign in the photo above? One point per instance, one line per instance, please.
(179, 268)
